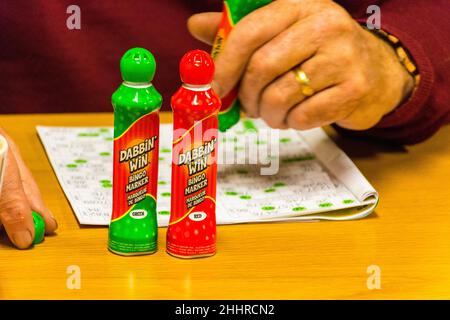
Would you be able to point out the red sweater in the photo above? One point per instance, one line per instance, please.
(44, 67)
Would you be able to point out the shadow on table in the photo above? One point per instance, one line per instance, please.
(364, 147)
(86, 226)
(357, 147)
(381, 161)
(5, 243)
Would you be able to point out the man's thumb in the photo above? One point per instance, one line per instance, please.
(15, 211)
(204, 26)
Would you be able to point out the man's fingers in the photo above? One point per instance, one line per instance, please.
(287, 50)
(34, 195)
(253, 31)
(203, 26)
(15, 211)
(317, 111)
(31, 188)
(285, 92)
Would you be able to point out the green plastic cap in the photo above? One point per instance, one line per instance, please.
(138, 65)
(39, 228)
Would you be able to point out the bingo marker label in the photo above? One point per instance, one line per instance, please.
(192, 226)
(133, 228)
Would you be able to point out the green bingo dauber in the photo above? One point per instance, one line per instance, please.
(233, 12)
(133, 229)
(39, 228)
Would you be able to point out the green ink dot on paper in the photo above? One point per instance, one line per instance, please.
(162, 182)
(245, 197)
(165, 150)
(104, 130)
(164, 213)
(269, 190)
(268, 208)
(107, 185)
(297, 209)
(231, 193)
(104, 154)
(238, 148)
(80, 161)
(285, 140)
(161, 158)
(105, 181)
(249, 125)
(232, 139)
(71, 165)
(298, 159)
(109, 139)
(165, 194)
(325, 205)
(279, 184)
(88, 134)
(260, 142)
(348, 201)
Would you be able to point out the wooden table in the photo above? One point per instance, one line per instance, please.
(408, 238)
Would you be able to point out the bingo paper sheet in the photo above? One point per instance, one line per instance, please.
(264, 175)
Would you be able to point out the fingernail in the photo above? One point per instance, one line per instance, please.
(216, 88)
(251, 115)
(50, 213)
(53, 218)
(22, 239)
(56, 222)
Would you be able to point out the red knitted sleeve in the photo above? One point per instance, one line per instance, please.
(423, 29)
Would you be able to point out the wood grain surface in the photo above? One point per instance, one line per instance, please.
(408, 238)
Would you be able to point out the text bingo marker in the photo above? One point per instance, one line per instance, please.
(133, 229)
(233, 12)
(192, 227)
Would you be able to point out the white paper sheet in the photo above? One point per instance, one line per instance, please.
(315, 179)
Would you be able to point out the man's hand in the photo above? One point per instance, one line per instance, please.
(356, 76)
(19, 195)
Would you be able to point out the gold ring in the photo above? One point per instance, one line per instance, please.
(304, 82)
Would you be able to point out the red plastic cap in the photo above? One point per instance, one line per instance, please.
(197, 68)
